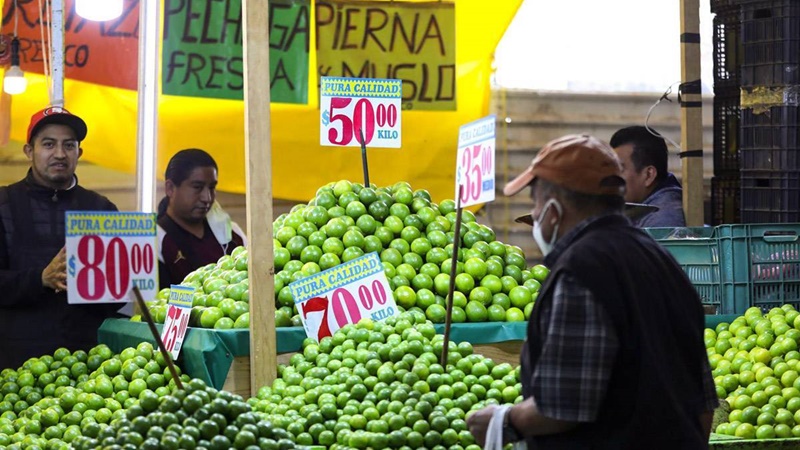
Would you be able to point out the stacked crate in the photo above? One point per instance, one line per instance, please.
(725, 190)
(769, 128)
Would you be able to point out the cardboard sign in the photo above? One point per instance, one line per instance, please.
(411, 41)
(344, 294)
(108, 253)
(475, 162)
(203, 52)
(103, 53)
(351, 106)
(178, 311)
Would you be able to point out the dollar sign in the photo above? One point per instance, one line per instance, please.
(72, 266)
(326, 118)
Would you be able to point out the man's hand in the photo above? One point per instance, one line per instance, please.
(54, 276)
(478, 424)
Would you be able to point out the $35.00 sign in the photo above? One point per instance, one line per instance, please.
(345, 294)
(108, 253)
(349, 106)
(178, 311)
(475, 168)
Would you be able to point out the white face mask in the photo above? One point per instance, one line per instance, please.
(220, 223)
(545, 246)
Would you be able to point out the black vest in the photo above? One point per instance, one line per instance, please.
(655, 394)
(41, 320)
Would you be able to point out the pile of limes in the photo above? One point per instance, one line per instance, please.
(197, 417)
(381, 385)
(52, 400)
(127, 401)
(222, 296)
(414, 238)
(755, 363)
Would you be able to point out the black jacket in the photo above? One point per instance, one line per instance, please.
(655, 394)
(34, 320)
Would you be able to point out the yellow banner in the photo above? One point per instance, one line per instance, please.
(415, 42)
(300, 164)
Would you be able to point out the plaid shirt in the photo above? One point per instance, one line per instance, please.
(578, 353)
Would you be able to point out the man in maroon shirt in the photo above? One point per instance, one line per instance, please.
(193, 230)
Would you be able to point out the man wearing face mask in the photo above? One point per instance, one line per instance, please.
(193, 229)
(614, 348)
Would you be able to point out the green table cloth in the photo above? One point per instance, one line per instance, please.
(208, 354)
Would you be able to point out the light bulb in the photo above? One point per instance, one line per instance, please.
(99, 10)
(14, 82)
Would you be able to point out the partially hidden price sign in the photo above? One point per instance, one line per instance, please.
(351, 106)
(178, 311)
(108, 253)
(345, 294)
(475, 162)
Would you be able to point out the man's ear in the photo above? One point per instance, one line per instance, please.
(80, 152)
(169, 188)
(28, 150)
(650, 176)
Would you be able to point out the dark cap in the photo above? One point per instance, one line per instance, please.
(57, 115)
(580, 163)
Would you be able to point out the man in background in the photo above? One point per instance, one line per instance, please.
(35, 318)
(644, 167)
(193, 229)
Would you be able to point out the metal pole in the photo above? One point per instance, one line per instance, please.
(147, 132)
(57, 55)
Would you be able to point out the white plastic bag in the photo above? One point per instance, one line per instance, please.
(494, 434)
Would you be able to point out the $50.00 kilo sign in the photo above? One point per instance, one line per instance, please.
(347, 293)
(108, 253)
(352, 106)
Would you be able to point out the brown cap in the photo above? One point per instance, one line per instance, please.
(580, 163)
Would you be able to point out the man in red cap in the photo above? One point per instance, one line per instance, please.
(614, 356)
(35, 318)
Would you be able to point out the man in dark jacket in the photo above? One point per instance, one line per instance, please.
(35, 318)
(614, 356)
(644, 167)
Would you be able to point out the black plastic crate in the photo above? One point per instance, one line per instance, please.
(772, 159)
(725, 199)
(726, 131)
(777, 128)
(727, 47)
(770, 196)
(770, 42)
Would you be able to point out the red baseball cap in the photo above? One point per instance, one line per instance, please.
(580, 163)
(57, 115)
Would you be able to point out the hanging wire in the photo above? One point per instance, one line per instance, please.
(664, 96)
(49, 53)
(45, 12)
(16, 18)
(506, 164)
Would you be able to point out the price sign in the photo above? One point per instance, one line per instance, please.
(108, 253)
(350, 106)
(344, 294)
(475, 161)
(178, 311)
